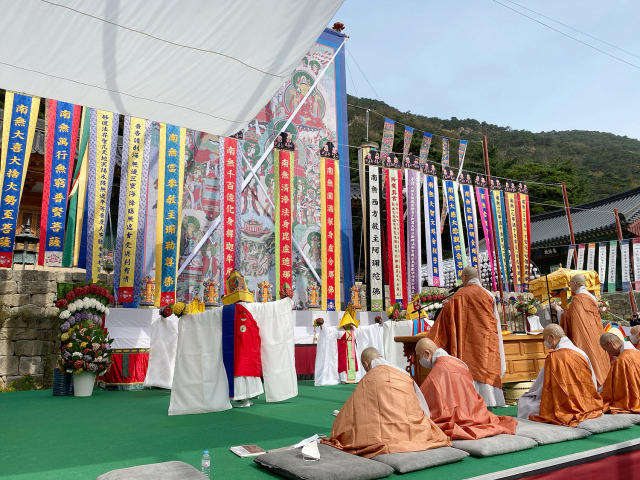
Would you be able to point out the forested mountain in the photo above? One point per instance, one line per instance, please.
(592, 164)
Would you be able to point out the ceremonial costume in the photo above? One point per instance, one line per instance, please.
(384, 415)
(621, 389)
(582, 323)
(454, 404)
(468, 327)
(565, 391)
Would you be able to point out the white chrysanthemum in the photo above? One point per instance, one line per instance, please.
(76, 354)
(66, 314)
(106, 311)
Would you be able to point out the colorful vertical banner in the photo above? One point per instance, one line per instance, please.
(395, 236)
(470, 217)
(572, 249)
(18, 128)
(611, 285)
(591, 256)
(424, 149)
(500, 226)
(413, 233)
(103, 143)
(580, 263)
(330, 233)
(513, 214)
(625, 266)
(602, 263)
(445, 152)
(373, 218)
(170, 183)
(636, 263)
(283, 189)
(432, 223)
(61, 136)
(450, 195)
(77, 195)
(132, 208)
(484, 203)
(524, 236)
(232, 180)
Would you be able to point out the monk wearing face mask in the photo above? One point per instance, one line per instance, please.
(454, 404)
(565, 391)
(634, 335)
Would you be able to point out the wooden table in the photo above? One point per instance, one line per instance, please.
(524, 356)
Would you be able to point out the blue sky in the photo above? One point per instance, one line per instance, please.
(478, 59)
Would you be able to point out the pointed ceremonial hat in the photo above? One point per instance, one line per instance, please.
(349, 317)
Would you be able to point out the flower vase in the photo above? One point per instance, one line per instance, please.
(83, 384)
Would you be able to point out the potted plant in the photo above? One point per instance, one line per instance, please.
(86, 352)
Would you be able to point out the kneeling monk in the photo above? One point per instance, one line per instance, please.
(384, 414)
(454, 404)
(621, 390)
(565, 391)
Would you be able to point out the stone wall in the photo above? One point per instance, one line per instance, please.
(620, 306)
(29, 324)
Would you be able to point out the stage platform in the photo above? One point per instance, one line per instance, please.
(43, 436)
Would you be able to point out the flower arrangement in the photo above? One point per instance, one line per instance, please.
(91, 297)
(395, 312)
(604, 308)
(378, 320)
(318, 322)
(523, 304)
(85, 348)
(286, 291)
(338, 26)
(178, 309)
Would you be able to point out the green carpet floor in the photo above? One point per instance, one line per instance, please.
(47, 437)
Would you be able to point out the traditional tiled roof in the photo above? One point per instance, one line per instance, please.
(589, 219)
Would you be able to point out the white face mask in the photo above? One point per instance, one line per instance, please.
(546, 344)
(426, 363)
(633, 339)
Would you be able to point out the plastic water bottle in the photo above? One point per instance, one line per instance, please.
(205, 463)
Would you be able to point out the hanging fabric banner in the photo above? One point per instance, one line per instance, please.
(373, 219)
(132, 208)
(77, 195)
(432, 222)
(424, 149)
(61, 136)
(283, 158)
(330, 232)
(636, 263)
(580, 264)
(591, 256)
(470, 217)
(450, 195)
(484, 203)
(414, 235)
(624, 265)
(232, 179)
(445, 168)
(514, 245)
(170, 183)
(524, 237)
(500, 226)
(611, 285)
(103, 143)
(572, 248)
(18, 128)
(445, 152)
(602, 263)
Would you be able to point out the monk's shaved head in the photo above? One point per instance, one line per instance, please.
(425, 344)
(635, 330)
(553, 329)
(579, 279)
(468, 273)
(368, 355)
(607, 337)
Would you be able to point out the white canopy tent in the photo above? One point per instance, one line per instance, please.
(201, 64)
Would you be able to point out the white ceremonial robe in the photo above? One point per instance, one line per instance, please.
(394, 351)
(162, 352)
(529, 403)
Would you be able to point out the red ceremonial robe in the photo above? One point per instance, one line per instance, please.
(247, 361)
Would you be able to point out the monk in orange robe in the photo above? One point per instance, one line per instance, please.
(621, 389)
(582, 323)
(468, 327)
(454, 404)
(565, 391)
(634, 336)
(384, 414)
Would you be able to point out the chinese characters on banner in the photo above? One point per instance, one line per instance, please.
(20, 116)
(231, 198)
(636, 263)
(61, 135)
(432, 229)
(414, 247)
(471, 221)
(283, 188)
(624, 265)
(580, 264)
(170, 182)
(602, 263)
(611, 286)
(103, 142)
(395, 236)
(497, 205)
(514, 247)
(591, 256)
(375, 230)
(330, 231)
(132, 207)
(484, 203)
(524, 236)
(457, 239)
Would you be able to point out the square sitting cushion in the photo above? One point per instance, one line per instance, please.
(412, 461)
(496, 445)
(334, 464)
(546, 433)
(634, 417)
(167, 471)
(606, 423)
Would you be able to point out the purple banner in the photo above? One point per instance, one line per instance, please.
(414, 248)
(482, 194)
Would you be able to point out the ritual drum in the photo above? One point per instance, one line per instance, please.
(513, 391)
